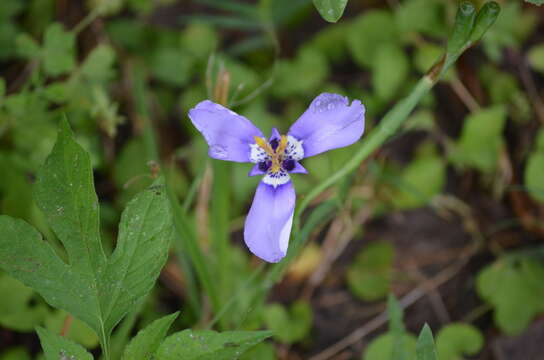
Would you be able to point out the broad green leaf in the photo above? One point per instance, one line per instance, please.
(97, 290)
(145, 344)
(199, 40)
(98, 66)
(16, 310)
(458, 339)
(209, 345)
(78, 332)
(172, 66)
(481, 139)
(534, 175)
(57, 347)
(381, 348)
(368, 32)
(422, 16)
(425, 348)
(289, 326)
(390, 70)
(421, 180)
(506, 285)
(331, 10)
(370, 274)
(59, 50)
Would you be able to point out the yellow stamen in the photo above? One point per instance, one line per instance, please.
(276, 157)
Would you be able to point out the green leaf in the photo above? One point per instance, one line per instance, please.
(59, 50)
(289, 326)
(97, 290)
(98, 66)
(481, 139)
(172, 66)
(464, 22)
(26, 46)
(458, 339)
(331, 10)
(78, 332)
(16, 310)
(368, 32)
(390, 70)
(57, 347)
(425, 349)
(381, 348)
(209, 345)
(536, 57)
(422, 16)
(17, 353)
(534, 175)
(369, 276)
(506, 285)
(486, 17)
(146, 343)
(421, 180)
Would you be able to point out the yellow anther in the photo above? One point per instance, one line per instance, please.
(283, 144)
(263, 144)
(276, 157)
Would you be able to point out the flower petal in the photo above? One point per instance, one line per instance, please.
(299, 169)
(329, 123)
(227, 133)
(268, 223)
(256, 170)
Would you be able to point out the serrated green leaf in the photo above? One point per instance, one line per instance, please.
(78, 332)
(57, 347)
(146, 343)
(97, 290)
(425, 349)
(458, 339)
(209, 345)
(59, 50)
(331, 10)
(369, 275)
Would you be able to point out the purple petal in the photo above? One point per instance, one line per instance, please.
(227, 133)
(299, 169)
(255, 170)
(268, 223)
(275, 134)
(329, 123)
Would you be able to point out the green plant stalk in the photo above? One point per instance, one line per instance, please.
(187, 243)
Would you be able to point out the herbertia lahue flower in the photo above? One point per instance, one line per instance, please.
(330, 122)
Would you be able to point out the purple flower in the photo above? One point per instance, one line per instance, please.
(330, 122)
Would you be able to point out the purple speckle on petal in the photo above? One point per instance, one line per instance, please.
(288, 164)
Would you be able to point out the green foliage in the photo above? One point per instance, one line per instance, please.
(390, 70)
(208, 345)
(78, 332)
(536, 57)
(515, 290)
(421, 180)
(289, 326)
(146, 343)
(425, 348)
(57, 347)
(368, 33)
(331, 10)
(16, 310)
(369, 276)
(481, 139)
(94, 288)
(535, 2)
(58, 50)
(458, 339)
(382, 347)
